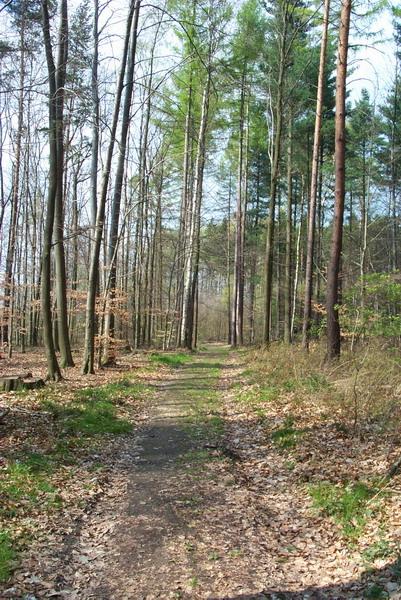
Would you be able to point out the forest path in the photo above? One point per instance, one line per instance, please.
(201, 503)
(150, 540)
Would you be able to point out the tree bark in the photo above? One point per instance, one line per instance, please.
(333, 324)
(90, 320)
(53, 369)
(314, 181)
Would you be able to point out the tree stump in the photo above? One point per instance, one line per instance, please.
(20, 382)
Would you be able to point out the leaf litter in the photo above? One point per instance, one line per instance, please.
(240, 524)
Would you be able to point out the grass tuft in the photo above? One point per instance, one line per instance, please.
(286, 437)
(346, 504)
(174, 360)
(115, 390)
(376, 592)
(7, 556)
(93, 411)
(24, 486)
(378, 550)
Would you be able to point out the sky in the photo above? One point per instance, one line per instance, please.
(372, 60)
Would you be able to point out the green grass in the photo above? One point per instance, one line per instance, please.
(204, 420)
(93, 417)
(259, 394)
(376, 592)
(378, 550)
(199, 456)
(116, 390)
(396, 568)
(311, 383)
(287, 436)
(26, 484)
(346, 504)
(93, 411)
(30, 483)
(7, 556)
(174, 360)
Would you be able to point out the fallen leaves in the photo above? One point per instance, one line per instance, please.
(227, 519)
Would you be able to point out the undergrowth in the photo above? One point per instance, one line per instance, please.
(287, 436)
(176, 359)
(317, 412)
(361, 388)
(34, 476)
(348, 505)
(7, 556)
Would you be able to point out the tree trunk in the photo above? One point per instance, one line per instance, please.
(52, 364)
(288, 244)
(228, 266)
(314, 181)
(333, 324)
(192, 259)
(238, 292)
(275, 169)
(90, 321)
(61, 279)
(115, 211)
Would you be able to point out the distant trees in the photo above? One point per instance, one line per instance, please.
(185, 189)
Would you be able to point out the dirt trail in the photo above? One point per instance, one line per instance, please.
(201, 505)
(141, 540)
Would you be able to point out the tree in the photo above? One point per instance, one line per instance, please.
(288, 21)
(333, 324)
(216, 13)
(56, 76)
(89, 348)
(118, 184)
(247, 48)
(314, 179)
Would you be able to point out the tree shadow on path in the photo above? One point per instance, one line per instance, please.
(373, 584)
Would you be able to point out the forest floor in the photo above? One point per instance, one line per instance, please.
(178, 476)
